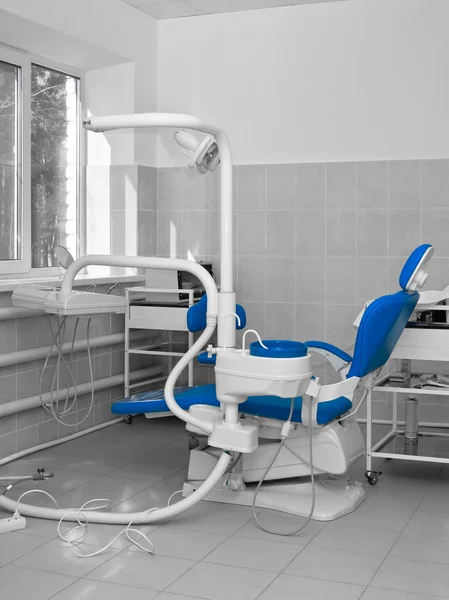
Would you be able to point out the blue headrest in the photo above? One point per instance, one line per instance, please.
(380, 328)
(196, 316)
(412, 263)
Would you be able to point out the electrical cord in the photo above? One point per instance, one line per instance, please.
(49, 406)
(66, 407)
(36, 491)
(83, 523)
(312, 478)
(54, 401)
(174, 494)
(365, 393)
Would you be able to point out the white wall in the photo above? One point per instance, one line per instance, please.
(357, 80)
(119, 44)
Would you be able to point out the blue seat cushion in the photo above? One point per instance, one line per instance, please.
(270, 407)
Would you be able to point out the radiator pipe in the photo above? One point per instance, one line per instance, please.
(17, 406)
(14, 312)
(45, 445)
(24, 356)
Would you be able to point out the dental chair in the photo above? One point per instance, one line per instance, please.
(325, 411)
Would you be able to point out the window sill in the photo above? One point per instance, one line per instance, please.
(8, 285)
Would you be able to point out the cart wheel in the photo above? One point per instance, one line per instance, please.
(373, 478)
(193, 443)
(128, 419)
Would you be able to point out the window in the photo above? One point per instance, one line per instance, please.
(40, 167)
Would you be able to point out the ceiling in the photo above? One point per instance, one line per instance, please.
(173, 9)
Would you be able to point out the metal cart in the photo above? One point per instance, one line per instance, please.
(426, 344)
(156, 317)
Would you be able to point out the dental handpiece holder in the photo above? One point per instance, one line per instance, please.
(269, 368)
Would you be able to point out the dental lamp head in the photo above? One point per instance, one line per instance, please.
(203, 155)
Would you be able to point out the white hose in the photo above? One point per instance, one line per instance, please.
(161, 514)
(171, 381)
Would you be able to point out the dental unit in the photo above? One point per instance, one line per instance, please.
(266, 418)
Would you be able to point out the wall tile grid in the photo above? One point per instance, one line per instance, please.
(313, 242)
(121, 201)
(36, 426)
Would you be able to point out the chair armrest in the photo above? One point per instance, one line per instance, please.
(204, 359)
(338, 358)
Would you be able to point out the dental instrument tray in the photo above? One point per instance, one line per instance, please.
(417, 381)
(169, 285)
(427, 325)
(146, 302)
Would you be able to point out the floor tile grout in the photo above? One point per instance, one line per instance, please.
(67, 586)
(402, 531)
(420, 493)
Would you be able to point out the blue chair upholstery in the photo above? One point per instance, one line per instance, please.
(412, 263)
(270, 407)
(380, 328)
(196, 316)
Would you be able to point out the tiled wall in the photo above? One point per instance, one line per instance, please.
(121, 209)
(313, 242)
(32, 427)
(121, 219)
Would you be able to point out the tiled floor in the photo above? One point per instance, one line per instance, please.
(394, 547)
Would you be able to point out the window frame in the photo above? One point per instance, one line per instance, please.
(23, 264)
(22, 268)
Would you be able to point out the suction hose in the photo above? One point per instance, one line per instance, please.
(179, 367)
(138, 518)
(160, 514)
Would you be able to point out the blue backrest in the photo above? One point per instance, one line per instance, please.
(196, 316)
(380, 328)
(416, 258)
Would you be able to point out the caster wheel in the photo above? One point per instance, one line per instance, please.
(193, 443)
(373, 478)
(128, 419)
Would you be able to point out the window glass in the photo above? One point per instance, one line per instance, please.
(9, 238)
(54, 164)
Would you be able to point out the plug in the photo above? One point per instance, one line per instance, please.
(13, 523)
(286, 428)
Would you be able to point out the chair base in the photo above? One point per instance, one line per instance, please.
(334, 497)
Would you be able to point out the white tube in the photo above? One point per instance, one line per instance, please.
(14, 312)
(226, 208)
(132, 121)
(226, 323)
(67, 438)
(24, 356)
(161, 514)
(145, 262)
(16, 406)
(100, 124)
(171, 381)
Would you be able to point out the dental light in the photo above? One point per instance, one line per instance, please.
(204, 155)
